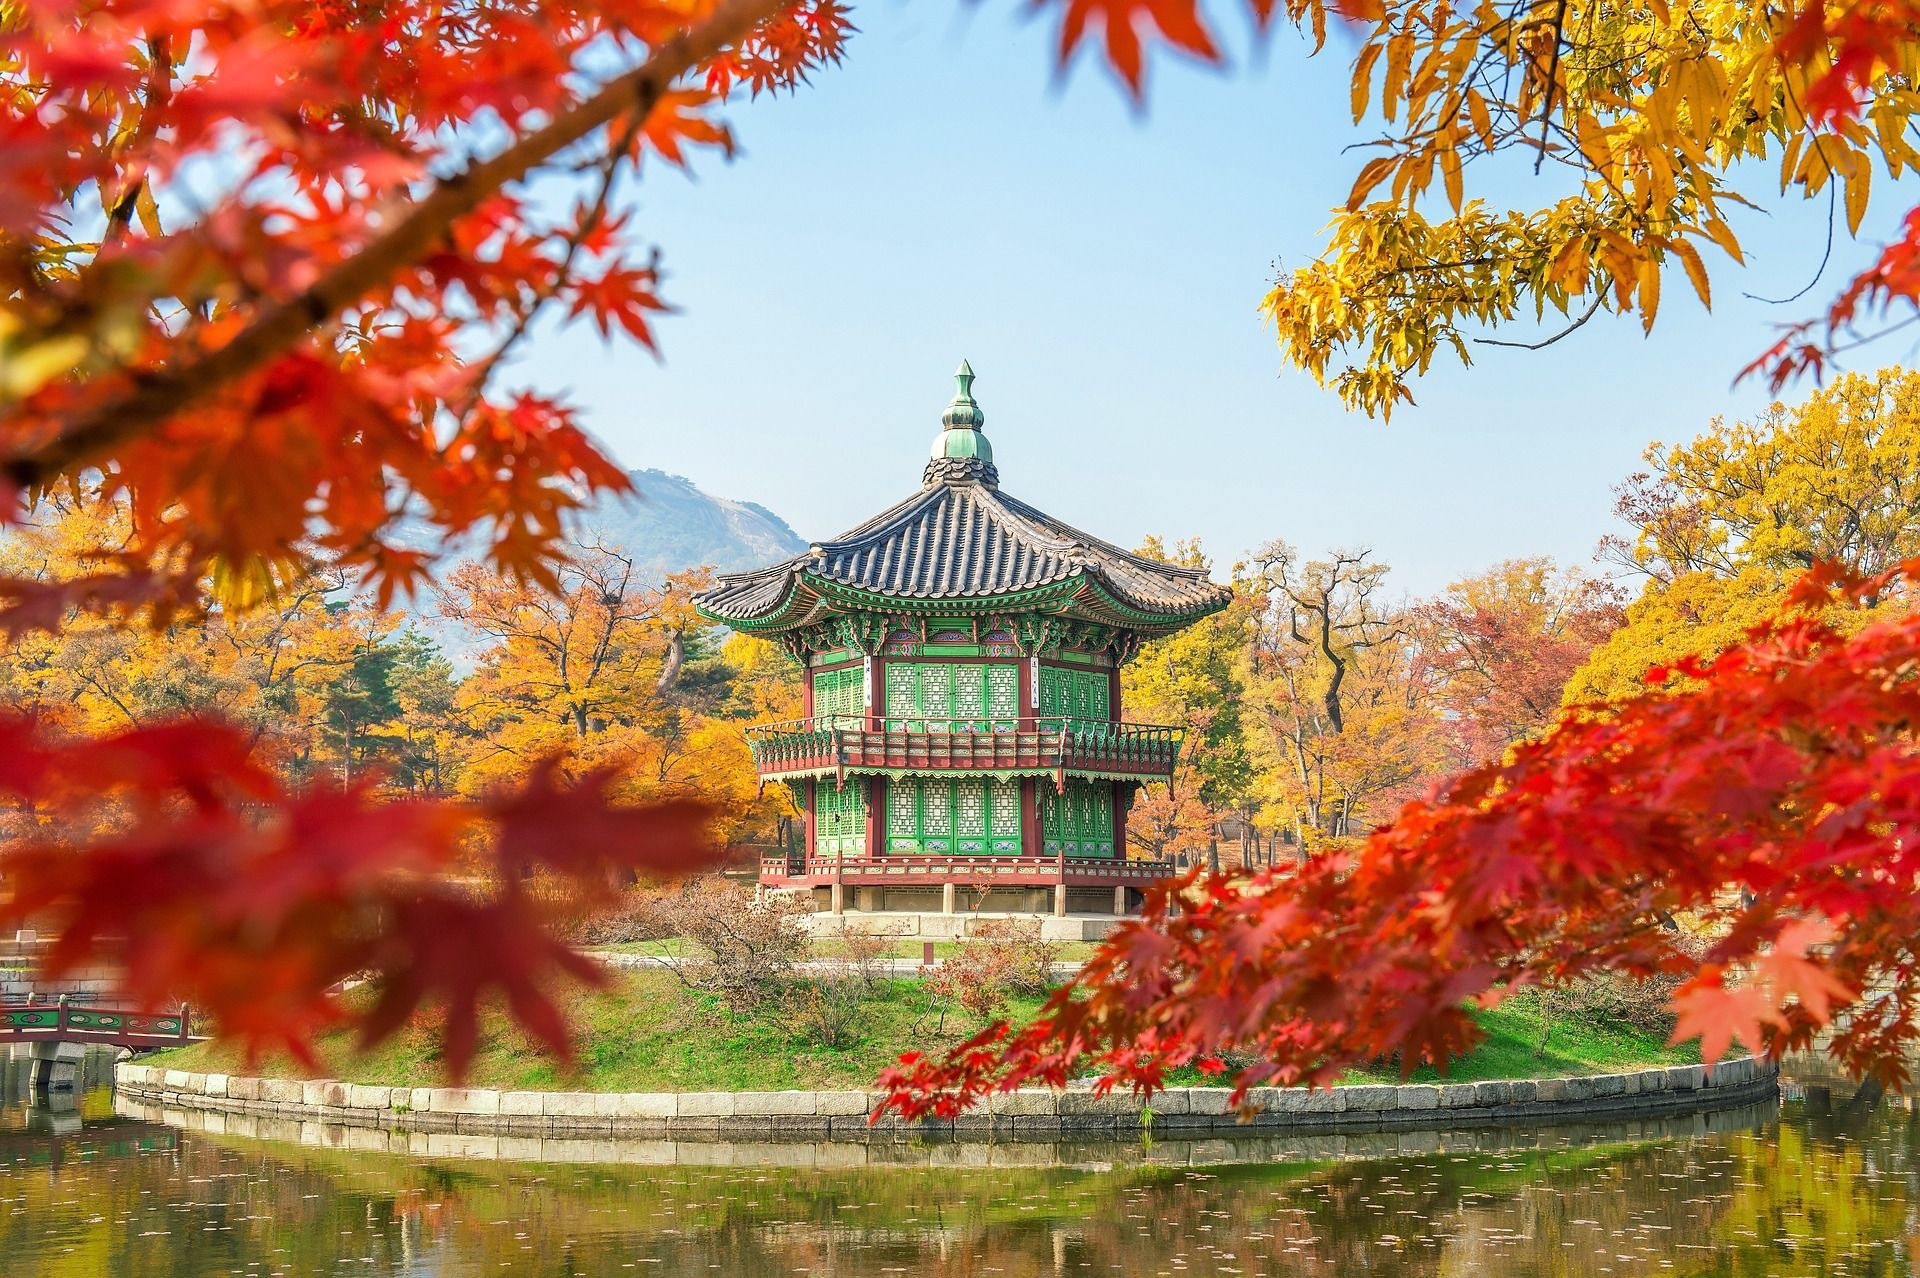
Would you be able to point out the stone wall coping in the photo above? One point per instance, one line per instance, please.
(765, 1115)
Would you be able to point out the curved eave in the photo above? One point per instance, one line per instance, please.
(1081, 595)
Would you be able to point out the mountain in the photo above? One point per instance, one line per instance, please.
(666, 525)
(669, 524)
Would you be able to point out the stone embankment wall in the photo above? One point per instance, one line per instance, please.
(780, 1115)
(20, 956)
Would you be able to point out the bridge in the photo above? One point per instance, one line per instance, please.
(59, 1034)
(67, 1022)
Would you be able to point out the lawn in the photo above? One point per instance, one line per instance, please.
(648, 1032)
(832, 947)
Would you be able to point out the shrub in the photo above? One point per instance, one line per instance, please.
(748, 945)
(1001, 958)
(867, 956)
(977, 980)
(1028, 958)
(826, 1008)
(641, 914)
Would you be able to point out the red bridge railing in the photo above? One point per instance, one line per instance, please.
(65, 1022)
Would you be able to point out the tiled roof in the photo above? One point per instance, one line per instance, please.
(960, 538)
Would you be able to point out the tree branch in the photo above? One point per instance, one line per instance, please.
(158, 396)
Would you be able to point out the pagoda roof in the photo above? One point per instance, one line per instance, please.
(961, 540)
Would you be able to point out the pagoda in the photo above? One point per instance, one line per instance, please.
(963, 731)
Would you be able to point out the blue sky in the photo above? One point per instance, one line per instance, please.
(944, 194)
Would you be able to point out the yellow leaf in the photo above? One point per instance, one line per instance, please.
(1482, 119)
(1450, 171)
(1372, 174)
(1363, 78)
(1696, 270)
(1859, 183)
(1649, 293)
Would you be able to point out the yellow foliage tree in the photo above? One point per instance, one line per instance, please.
(1653, 122)
(1724, 523)
(607, 669)
(1340, 699)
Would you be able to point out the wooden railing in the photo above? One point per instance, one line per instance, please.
(843, 743)
(65, 1022)
(1012, 870)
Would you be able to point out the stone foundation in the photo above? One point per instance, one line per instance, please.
(843, 1114)
(914, 926)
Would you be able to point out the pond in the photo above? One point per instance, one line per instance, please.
(1815, 1184)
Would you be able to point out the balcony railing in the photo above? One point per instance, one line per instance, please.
(844, 743)
(917, 869)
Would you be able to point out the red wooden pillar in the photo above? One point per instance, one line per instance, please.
(1122, 794)
(1113, 691)
(806, 689)
(876, 798)
(1031, 844)
(810, 836)
(1028, 722)
(876, 691)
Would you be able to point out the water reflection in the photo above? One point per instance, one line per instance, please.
(1774, 1191)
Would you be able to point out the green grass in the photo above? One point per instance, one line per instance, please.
(828, 947)
(648, 1032)
(1579, 1044)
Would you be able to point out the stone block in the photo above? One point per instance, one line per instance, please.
(361, 1096)
(844, 1103)
(1551, 1089)
(214, 1084)
(1212, 1101)
(569, 1104)
(774, 1104)
(176, 1080)
(463, 1100)
(1493, 1092)
(1028, 1102)
(1684, 1078)
(1082, 1103)
(1175, 1100)
(704, 1105)
(1368, 1099)
(324, 1091)
(1416, 1096)
(1607, 1085)
(523, 1104)
(419, 1099)
(1457, 1095)
(1305, 1100)
(282, 1091)
(629, 1106)
(244, 1088)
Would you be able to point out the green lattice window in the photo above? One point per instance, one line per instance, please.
(840, 818)
(839, 697)
(1078, 822)
(952, 696)
(1068, 693)
(969, 815)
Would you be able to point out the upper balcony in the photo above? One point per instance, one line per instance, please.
(834, 745)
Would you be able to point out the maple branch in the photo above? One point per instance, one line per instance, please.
(158, 396)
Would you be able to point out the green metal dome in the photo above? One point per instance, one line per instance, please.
(962, 439)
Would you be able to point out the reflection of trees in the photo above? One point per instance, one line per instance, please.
(1814, 1194)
